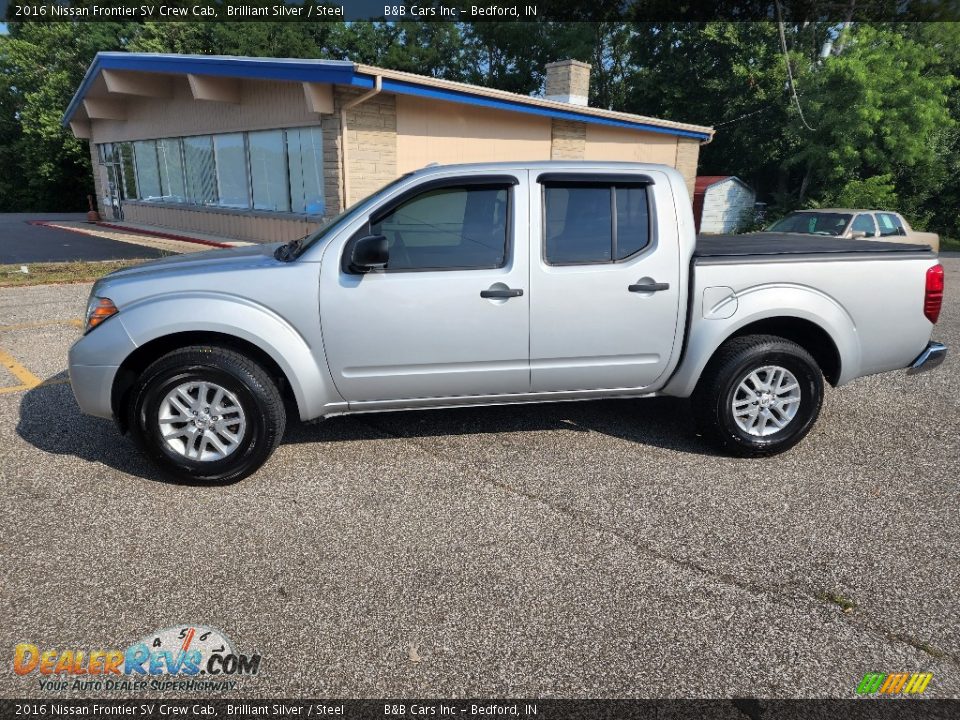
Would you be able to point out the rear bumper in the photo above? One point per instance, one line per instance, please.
(929, 359)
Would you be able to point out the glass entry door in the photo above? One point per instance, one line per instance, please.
(118, 178)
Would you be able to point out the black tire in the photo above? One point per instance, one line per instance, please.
(714, 396)
(250, 384)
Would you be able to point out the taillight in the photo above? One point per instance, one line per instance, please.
(933, 295)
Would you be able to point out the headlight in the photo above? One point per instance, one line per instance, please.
(98, 310)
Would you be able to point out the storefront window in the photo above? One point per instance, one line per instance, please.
(231, 170)
(171, 170)
(128, 170)
(268, 171)
(148, 171)
(305, 152)
(200, 174)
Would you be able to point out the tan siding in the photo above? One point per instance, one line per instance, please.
(254, 228)
(610, 143)
(430, 131)
(263, 105)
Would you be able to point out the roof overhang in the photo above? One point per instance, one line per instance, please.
(340, 72)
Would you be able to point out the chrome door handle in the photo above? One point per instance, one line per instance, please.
(649, 287)
(508, 293)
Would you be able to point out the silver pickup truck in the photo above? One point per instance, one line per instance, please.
(498, 283)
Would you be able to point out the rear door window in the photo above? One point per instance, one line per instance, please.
(594, 223)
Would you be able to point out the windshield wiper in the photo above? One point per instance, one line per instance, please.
(289, 251)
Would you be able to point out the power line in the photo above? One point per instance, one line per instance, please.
(738, 119)
(786, 61)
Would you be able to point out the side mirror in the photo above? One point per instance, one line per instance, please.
(366, 254)
(857, 234)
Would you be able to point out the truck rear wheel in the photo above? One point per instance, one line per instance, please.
(759, 395)
(206, 414)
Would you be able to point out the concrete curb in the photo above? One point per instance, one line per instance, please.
(133, 231)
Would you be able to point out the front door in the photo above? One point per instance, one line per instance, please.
(604, 280)
(111, 181)
(450, 314)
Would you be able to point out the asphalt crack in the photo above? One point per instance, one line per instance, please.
(820, 600)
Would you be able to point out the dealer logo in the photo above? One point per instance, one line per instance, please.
(181, 651)
(894, 683)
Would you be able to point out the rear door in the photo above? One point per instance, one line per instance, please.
(449, 317)
(604, 280)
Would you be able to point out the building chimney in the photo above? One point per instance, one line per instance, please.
(568, 81)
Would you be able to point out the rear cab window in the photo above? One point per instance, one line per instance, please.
(592, 222)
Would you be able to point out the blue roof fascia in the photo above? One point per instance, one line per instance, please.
(407, 88)
(325, 71)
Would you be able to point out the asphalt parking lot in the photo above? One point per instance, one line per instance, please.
(572, 550)
(25, 240)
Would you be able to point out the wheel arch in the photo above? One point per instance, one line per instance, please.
(805, 333)
(833, 345)
(138, 361)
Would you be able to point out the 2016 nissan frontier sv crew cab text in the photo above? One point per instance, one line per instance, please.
(498, 283)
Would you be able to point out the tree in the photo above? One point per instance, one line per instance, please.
(880, 108)
(877, 110)
(42, 64)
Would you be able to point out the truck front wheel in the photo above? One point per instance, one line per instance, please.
(206, 414)
(759, 395)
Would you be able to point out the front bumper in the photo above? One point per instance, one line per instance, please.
(932, 356)
(93, 386)
(93, 363)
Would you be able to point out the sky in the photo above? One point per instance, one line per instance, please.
(3, 28)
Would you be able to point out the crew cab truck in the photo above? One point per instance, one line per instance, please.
(490, 284)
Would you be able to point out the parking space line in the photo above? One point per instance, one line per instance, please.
(29, 381)
(19, 371)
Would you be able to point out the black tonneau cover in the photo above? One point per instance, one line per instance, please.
(767, 243)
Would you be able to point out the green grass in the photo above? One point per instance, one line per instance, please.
(67, 272)
(952, 244)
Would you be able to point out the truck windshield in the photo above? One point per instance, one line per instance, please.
(296, 248)
(813, 223)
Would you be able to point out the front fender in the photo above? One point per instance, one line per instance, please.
(300, 359)
(764, 302)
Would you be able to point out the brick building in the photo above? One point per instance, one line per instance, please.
(265, 148)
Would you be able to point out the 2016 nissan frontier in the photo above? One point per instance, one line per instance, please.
(498, 283)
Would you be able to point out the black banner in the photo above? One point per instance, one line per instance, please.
(478, 10)
(735, 709)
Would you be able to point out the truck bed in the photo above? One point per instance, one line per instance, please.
(757, 244)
